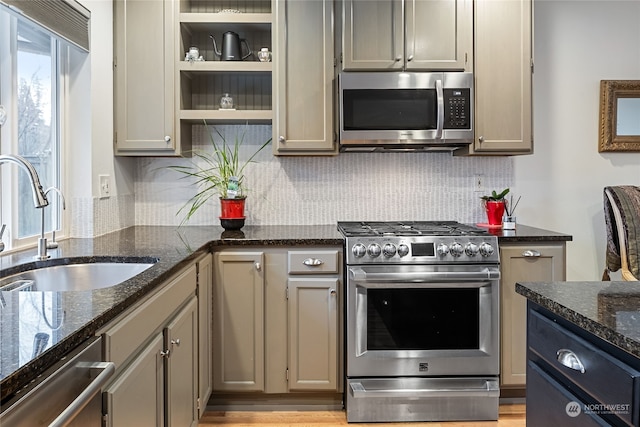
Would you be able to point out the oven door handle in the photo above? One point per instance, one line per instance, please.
(488, 388)
(360, 275)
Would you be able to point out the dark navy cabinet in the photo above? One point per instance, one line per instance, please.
(575, 378)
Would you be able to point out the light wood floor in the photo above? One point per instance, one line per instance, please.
(511, 415)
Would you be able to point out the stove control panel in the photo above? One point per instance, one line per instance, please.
(421, 250)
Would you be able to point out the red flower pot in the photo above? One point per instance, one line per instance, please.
(231, 208)
(495, 211)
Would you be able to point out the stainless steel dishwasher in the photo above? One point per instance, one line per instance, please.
(68, 395)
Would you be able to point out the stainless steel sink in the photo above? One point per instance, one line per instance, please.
(73, 277)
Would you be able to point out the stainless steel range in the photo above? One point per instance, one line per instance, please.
(422, 322)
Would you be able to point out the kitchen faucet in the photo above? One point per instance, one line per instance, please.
(39, 196)
(52, 244)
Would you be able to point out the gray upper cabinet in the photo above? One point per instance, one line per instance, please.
(144, 45)
(303, 78)
(503, 77)
(407, 34)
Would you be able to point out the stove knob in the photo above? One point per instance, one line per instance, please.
(374, 250)
(471, 249)
(389, 250)
(442, 249)
(486, 249)
(455, 249)
(403, 250)
(359, 250)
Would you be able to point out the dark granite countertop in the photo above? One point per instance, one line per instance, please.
(79, 314)
(524, 233)
(608, 310)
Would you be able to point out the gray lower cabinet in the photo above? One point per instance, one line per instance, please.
(575, 378)
(530, 262)
(156, 347)
(277, 320)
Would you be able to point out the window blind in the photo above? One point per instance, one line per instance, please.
(66, 19)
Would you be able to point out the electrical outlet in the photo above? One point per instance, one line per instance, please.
(478, 183)
(105, 186)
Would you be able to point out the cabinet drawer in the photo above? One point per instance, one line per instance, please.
(601, 370)
(550, 404)
(314, 262)
(127, 334)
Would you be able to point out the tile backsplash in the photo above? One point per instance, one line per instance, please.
(323, 190)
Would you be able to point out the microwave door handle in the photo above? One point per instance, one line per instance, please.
(440, 119)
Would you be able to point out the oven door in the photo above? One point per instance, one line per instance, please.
(409, 320)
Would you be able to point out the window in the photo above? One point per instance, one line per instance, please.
(32, 78)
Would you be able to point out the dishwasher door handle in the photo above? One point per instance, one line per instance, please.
(78, 404)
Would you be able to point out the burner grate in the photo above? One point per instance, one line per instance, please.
(409, 228)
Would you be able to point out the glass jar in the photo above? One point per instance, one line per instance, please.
(264, 55)
(226, 102)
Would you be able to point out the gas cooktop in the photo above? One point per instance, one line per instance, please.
(418, 242)
(409, 228)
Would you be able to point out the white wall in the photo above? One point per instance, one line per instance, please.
(577, 44)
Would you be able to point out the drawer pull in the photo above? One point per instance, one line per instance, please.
(258, 266)
(569, 359)
(313, 262)
(531, 253)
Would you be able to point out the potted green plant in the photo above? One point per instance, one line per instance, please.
(219, 173)
(494, 205)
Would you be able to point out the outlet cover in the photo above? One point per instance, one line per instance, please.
(105, 186)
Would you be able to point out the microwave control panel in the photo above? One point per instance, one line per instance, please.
(457, 104)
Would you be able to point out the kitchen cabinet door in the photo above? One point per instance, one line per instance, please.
(372, 35)
(238, 321)
(539, 262)
(439, 35)
(304, 78)
(407, 34)
(144, 76)
(181, 350)
(205, 319)
(136, 397)
(313, 333)
(503, 77)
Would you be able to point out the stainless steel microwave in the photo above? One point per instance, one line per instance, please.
(406, 110)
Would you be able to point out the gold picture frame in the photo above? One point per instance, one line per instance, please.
(612, 93)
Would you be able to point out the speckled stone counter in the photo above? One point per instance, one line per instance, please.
(608, 310)
(78, 315)
(524, 233)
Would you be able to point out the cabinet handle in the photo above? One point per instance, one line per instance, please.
(313, 262)
(167, 139)
(481, 139)
(258, 266)
(281, 139)
(569, 359)
(176, 342)
(165, 353)
(398, 58)
(332, 292)
(531, 253)
(410, 58)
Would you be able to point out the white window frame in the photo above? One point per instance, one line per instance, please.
(8, 140)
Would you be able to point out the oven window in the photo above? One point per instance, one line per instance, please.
(390, 109)
(423, 319)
